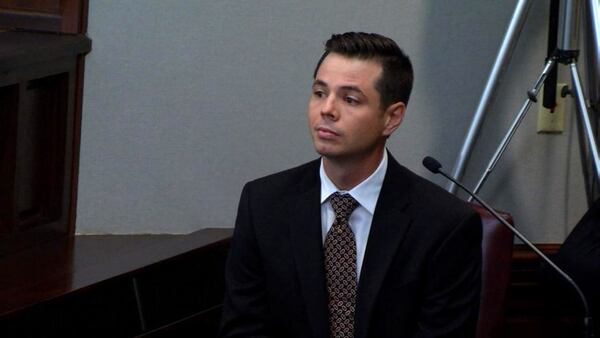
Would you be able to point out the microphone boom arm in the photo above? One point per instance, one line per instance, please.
(435, 167)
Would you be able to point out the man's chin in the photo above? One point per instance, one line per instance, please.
(325, 148)
(329, 153)
(324, 151)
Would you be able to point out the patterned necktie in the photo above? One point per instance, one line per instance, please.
(340, 267)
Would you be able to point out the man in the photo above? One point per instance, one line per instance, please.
(353, 244)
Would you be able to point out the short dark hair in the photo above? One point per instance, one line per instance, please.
(395, 83)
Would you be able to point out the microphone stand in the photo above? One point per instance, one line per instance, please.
(435, 167)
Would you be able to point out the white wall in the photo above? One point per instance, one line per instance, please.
(186, 100)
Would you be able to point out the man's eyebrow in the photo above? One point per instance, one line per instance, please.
(351, 88)
(319, 83)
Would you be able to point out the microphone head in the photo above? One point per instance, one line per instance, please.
(432, 164)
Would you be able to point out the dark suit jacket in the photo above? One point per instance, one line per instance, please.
(420, 276)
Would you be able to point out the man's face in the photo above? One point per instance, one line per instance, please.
(344, 114)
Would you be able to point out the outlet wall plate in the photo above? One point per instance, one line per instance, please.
(552, 121)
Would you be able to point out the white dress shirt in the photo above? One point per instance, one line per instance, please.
(366, 194)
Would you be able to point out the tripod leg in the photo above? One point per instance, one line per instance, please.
(531, 97)
(584, 118)
(508, 45)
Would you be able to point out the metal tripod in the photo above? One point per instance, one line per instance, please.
(562, 54)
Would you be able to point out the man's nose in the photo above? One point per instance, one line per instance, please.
(328, 109)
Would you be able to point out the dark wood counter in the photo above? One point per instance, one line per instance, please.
(117, 286)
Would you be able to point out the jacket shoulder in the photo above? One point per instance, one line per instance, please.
(293, 179)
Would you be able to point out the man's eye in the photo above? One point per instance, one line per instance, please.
(319, 93)
(351, 100)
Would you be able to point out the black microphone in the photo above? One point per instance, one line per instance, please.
(435, 167)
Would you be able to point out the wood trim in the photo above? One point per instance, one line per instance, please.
(70, 17)
(74, 15)
(522, 252)
(36, 21)
(76, 142)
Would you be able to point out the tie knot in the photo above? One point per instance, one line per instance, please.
(343, 205)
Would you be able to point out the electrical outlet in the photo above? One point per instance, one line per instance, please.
(552, 121)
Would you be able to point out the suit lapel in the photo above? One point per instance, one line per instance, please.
(307, 246)
(389, 225)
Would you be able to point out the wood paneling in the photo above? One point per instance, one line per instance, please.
(42, 6)
(60, 16)
(534, 308)
(40, 89)
(41, 140)
(8, 126)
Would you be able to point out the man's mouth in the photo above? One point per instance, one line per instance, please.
(326, 132)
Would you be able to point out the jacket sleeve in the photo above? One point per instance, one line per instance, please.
(452, 292)
(245, 309)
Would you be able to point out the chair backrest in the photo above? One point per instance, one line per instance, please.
(496, 246)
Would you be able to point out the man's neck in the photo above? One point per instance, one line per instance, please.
(348, 173)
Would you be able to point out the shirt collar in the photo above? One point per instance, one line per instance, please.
(365, 193)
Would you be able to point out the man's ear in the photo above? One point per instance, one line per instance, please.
(394, 114)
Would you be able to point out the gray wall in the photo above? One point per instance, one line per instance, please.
(186, 100)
